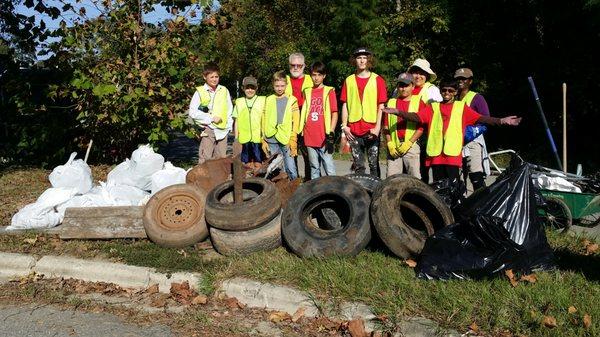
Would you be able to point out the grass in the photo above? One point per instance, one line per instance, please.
(374, 277)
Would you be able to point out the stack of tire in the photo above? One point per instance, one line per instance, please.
(245, 227)
(333, 216)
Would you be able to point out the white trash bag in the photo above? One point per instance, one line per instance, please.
(42, 213)
(74, 173)
(169, 175)
(138, 171)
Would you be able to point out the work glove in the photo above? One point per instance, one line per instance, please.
(392, 149)
(265, 147)
(404, 147)
(329, 143)
(293, 148)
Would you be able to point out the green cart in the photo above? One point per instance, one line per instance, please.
(563, 208)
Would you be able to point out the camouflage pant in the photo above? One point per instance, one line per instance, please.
(359, 146)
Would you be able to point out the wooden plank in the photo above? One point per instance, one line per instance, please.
(102, 223)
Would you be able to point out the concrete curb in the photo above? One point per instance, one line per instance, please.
(17, 265)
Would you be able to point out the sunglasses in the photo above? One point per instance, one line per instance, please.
(450, 90)
(462, 78)
(296, 65)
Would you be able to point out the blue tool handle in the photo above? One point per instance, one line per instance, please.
(535, 94)
(551, 140)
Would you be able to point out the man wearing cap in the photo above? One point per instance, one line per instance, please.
(475, 159)
(422, 77)
(401, 135)
(297, 82)
(363, 95)
(248, 113)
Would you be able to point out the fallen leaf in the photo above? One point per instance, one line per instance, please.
(587, 321)
(382, 318)
(182, 253)
(182, 293)
(159, 301)
(591, 249)
(356, 328)
(298, 314)
(411, 263)
(215, 314)
(233, 303)
(531, 278)
(278, 316)
(572, 310)
(153, 289)
(511, 277)
(549, 322)
(474, 327)
(31, 241)
(200, 299)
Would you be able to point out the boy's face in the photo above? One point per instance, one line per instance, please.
(212, 79)
(250, 91)
(405, 90)
(317, 78)
(361, 62)
(448, 94)
(279, 87)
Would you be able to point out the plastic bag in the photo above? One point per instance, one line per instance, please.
(497, 228)
(42, 213)
(452, 191)
(474, 131)
(138, 171)
(74, 173)
(169, 175)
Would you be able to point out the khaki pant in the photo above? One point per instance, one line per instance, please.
(474, 162)
(210, 147)
(410, 161)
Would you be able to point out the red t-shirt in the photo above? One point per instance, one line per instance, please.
(469, 117)
(297, 89)
(314, 129)
(361, 127)
(402, 105)
(416, 90)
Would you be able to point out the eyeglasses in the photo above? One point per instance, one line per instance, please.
(462, 78)
(296, 65)
(448, 90)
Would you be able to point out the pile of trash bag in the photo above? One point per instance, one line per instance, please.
(129, 184)
(497, 228)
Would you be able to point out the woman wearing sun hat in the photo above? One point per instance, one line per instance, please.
(422, 77)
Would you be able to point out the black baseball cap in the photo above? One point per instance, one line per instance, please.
(362, 51)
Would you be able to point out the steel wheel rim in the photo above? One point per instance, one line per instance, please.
(178, 211)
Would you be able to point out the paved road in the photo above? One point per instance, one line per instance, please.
(35, 320)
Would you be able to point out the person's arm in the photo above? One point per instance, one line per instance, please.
(418, 133)
(345, 127)
(375, 131)
(434, 94)
(510, 120)
(409, 116)
(293, 145)
(196, 114)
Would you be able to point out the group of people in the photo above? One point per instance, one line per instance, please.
(426, 128)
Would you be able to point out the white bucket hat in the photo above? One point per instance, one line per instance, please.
(424, 65)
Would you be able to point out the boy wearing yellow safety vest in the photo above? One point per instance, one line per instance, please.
(248, 113)
(402, 135)
(211, 110)
(364, 94)
(280, 124)
(446, 123)
(318, 119)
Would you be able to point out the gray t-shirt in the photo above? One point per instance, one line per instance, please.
(281, 104)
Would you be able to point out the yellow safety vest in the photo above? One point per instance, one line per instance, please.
(452, 140)
(308, 83)
(283, 131)
(367, 108)
(326, 109)
(411, 127)
(468, 98)
(424, 93)
(219, 107)
(249, 119)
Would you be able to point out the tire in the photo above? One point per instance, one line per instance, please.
(558, 214)
(367, 181)
(174, 217)
(347, 199)
(252, 213)
(405, 211)
(264, 238)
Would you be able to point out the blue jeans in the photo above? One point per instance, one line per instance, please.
(316, 156)
(288, 161)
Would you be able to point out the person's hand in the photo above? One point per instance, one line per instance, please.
(329, 143)
(392, 149)
(404, 147)
(510, 120)
(375, 131)
(216, 119)
(349, 135)
(293, 148)
(265, 147)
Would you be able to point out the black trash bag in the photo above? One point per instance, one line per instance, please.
(452, 191)
(497, 228)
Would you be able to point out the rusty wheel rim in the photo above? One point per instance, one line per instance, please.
(179, 211)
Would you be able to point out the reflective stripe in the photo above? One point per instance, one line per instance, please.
(367, 108)
(283, 131)
(411, 127)
(452, 140)
(249, 120)
(326, 109)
